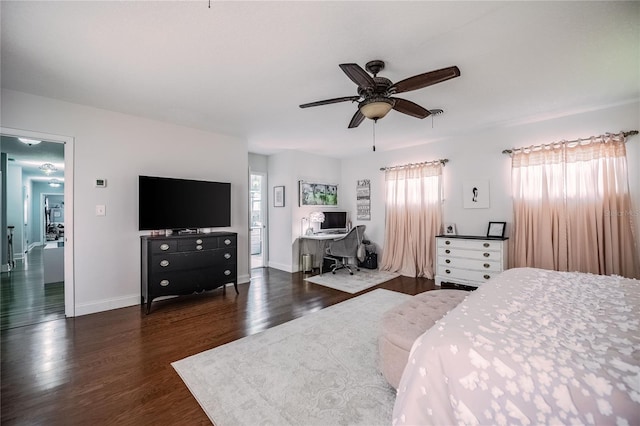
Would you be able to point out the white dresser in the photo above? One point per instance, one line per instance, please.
(469, 260)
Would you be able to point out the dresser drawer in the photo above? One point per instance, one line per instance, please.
(228, 241)
(181, 282)
(469, 244)
(191, 260)
(478, 265)
(198, 244)
(469, 254)
(163, 246)
(467, 275)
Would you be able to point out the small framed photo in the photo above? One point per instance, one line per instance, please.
(450, 229)
(278, 196)
(496, 229)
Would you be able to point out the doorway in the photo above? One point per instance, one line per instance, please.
(257, 222)
(32, 236)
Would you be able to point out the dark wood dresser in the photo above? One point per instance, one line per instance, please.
(185, 264)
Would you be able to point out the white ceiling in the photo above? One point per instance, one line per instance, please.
(31, 157)
(242, 68)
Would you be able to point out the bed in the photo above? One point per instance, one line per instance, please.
(530, 346)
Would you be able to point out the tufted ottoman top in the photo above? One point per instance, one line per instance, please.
(403, 324)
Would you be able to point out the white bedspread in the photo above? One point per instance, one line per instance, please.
(530, 347)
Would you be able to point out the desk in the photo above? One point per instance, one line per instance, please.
(316, 244)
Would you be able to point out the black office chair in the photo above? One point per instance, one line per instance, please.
(342, 250)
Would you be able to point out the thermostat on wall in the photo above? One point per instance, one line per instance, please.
(101, 183)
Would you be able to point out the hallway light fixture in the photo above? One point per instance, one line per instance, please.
(54, 183)
(29, 142)
(48, 168)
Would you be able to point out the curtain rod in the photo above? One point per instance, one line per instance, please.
(443, 161)
(625, 134)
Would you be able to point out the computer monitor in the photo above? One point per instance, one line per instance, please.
(334, 221)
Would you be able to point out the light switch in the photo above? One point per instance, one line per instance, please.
(101, 210)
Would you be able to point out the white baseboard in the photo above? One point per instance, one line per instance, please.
(126, 301)
(107, 305)
(282, 267)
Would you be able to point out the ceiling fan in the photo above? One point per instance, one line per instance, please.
(374, 93)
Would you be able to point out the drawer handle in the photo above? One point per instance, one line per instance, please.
(485, 254)
(164, 283)
(227, 241)
(198, 247)
(447, 242)
(447, 271)
(164, 263)
(486, 277)
(447, 251)
(486, 265)
(227, 256)
(227, 272)
(447, 261)
(198, 241)
(164, 247)
(486, 245)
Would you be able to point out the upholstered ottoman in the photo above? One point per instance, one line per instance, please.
(402, 325)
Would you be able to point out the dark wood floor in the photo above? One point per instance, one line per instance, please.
(114, 367)
(24, 298)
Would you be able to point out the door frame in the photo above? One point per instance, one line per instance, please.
(69, 275)
(263, 212)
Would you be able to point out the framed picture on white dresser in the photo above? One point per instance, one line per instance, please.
(450, 229)
(496, 229)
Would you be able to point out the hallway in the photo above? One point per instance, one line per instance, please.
(24, 298)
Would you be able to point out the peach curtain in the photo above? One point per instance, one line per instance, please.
(413, 219)
(572, 208)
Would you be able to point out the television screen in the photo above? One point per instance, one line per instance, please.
(334, 220)
(168, 203)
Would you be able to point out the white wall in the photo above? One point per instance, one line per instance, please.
(285, 223)
(15, 209)
(478, 156)
(119, 147)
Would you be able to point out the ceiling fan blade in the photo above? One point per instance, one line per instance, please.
(356, 119)
(410, 108)
(330, 101)
(358, 76)
(427, 79)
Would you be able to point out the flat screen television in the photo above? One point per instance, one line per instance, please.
(334, 221)
(169, 203)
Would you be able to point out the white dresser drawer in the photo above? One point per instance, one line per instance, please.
(467, 275)
(479, 265)
(469, 254)
(470, 244)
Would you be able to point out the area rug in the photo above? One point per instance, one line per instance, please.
(320, 369)
(360, 280)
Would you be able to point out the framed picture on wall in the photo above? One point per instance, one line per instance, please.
(278, 196)
(318, 194)
(475, 194)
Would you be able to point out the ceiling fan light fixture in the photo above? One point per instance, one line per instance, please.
(376, 108)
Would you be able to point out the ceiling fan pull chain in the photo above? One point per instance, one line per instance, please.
(374, 135)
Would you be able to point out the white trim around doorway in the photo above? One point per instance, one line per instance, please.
(69, 276)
